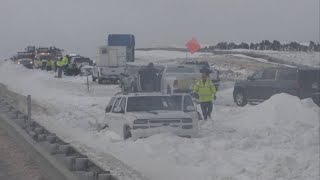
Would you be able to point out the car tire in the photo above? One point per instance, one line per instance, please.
(99, 81)
(168, 90)
(94, 79)
(126, 132)
(240, 98)
(133, 88)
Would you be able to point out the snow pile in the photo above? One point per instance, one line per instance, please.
(278, 139)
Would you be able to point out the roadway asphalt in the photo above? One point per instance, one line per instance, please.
(15, 164)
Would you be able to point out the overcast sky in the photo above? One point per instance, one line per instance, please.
(80, 26)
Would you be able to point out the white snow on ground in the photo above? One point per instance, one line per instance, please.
(311, 59)
(160, 55)
(259, 59)
(278, 139)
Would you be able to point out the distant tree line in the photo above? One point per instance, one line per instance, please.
(266, 45)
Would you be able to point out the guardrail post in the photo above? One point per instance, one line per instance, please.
(29, 110)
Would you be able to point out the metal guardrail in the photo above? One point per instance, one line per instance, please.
(58, 159)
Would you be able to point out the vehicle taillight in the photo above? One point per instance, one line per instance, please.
(175, 84)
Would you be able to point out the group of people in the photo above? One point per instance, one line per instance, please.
(204, 89)
(48, 65)
(57, 65)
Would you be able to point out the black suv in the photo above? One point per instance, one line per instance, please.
(260, 86)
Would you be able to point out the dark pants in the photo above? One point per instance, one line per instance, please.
(49, 68)
(206, 108)
(59, 72)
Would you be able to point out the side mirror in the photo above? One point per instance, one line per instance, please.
(190, 108)
(118, 110)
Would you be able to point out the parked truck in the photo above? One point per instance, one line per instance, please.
(110, 64)
(126, 40)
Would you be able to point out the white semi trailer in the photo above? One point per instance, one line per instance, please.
(110, 64)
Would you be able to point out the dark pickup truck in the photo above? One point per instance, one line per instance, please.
(303, 83)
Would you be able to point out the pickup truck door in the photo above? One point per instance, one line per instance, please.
(186, 102)
(116, 119)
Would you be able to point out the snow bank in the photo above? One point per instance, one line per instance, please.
(277, 139)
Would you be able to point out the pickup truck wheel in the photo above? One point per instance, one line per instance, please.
(168, 90)
(126, 132)
(133, 88)
(240, 98)
(99, 81)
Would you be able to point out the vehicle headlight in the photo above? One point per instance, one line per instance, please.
(18, 62)
(187, 120)
(140, 121)
(31, 62)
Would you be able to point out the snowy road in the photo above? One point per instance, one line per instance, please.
(15, 162)
(277, 139)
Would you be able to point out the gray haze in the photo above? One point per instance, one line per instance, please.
(80, 26)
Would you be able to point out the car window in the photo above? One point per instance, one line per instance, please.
(177, 102)
(287, 75)
(149, 103)
(269, 74)
(257, 75)
(309, 75)
(123, 103)
(187, 102)
(109, 106)
(116, 104)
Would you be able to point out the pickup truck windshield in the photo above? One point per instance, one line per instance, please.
(149, 103)
(180, 69)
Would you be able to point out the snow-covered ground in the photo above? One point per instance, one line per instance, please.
(311, 59)
(166, 56)
(277, 139)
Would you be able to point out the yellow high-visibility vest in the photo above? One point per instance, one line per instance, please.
(205, 90)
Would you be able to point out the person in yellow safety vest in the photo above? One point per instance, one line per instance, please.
(206, 91)
(65, 60)
(49, 65)
(40, 63)
(59, 67)
(60, 63)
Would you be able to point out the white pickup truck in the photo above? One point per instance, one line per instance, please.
(144, 114)
(110, 64)
(177, 78)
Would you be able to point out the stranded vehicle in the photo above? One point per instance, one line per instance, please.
(175, 78)
(110, 64)
(214, 76)
(144, 114)
(28, 63)
(303, 83)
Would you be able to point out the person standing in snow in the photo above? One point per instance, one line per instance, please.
(148, 78)
(62, 62)
(206, 92)
(49, 65)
